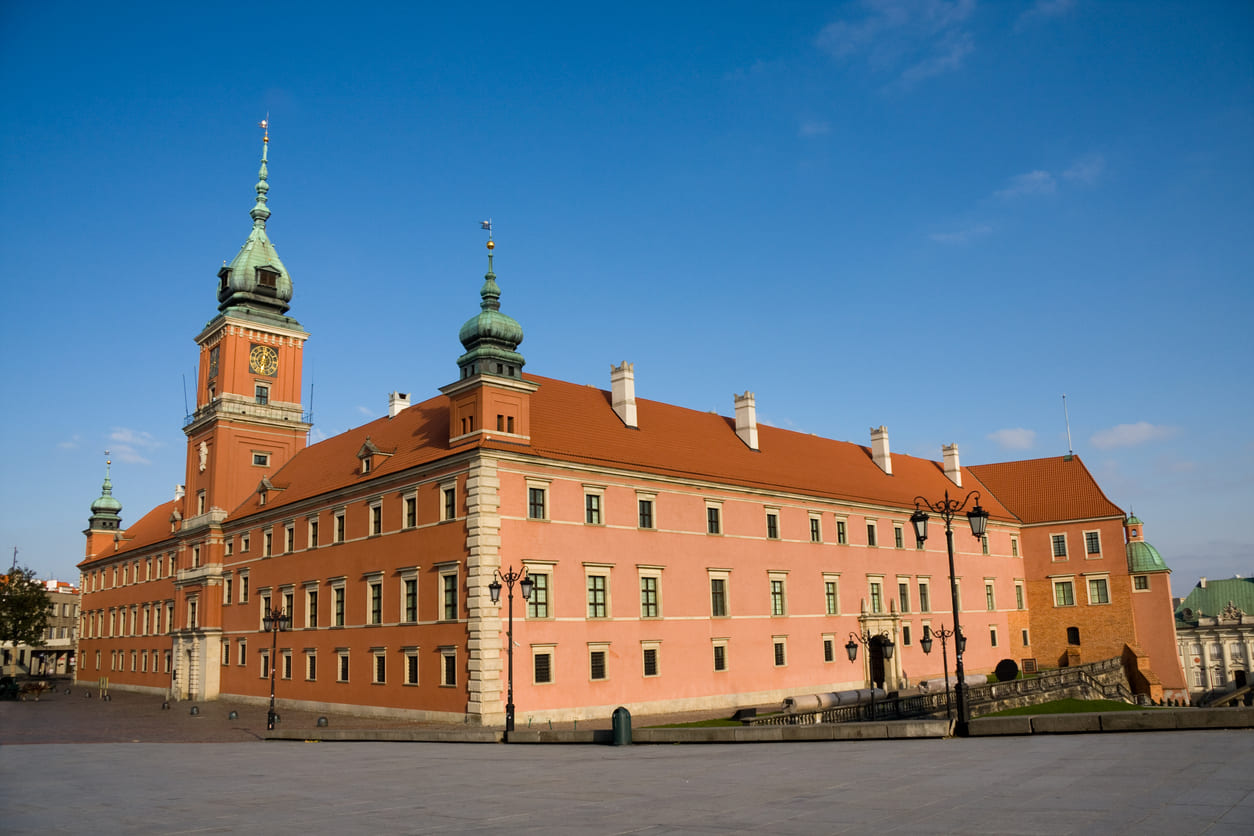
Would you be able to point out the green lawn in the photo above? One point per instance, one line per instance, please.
(1068, 707)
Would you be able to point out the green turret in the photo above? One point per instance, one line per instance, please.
(491, 339)
(106, 512)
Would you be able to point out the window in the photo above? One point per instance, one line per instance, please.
(265, 663)
(341, 673)
(311, 608)
(411, 511)
(448, 667)
(1018, 595)
(816, 530)
(831, 597)
(781, 652)
(842, 533)
(411, 666)
(718, 597)
(992, 636)
(597, 596)
(337, 605)
(1058, 543)
(1140, 582)
(649, 596)
(542, 666)
(450, 503)
(313, 533)
(650, 661)
(535, 503)
(261, 393)
(1073, 636)
(877, 597)
(200, 507)
(339, 527)
(645, 507)
(984, 544)
(1024, 634)
(1064, 594)
(925, 597)
(311, 665)
(903, 596)
(712, 523)
(990, 602)
(289, 538)
(448, 592)
(267, 548)
(905, 634)
(261, 459)
(778, 601)
(380, 668)
(1093, 543)
(538, 603)
(871, 539)
(596, 664)
(829, 648)
(376, 601)
(365, 465)
(228, 589)
(899, 537)
(409, 602)
(195, 562)
(772, 525)
(376, 519)
(244, 540)
(1098, 591)
(720, 656)
(592, 509)
(1014, 546)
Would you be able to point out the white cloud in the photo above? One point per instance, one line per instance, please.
(1128, 435)
(365, 410)
(913, 39)
(129, 445)
(1043, 10)
(961, 236)
(1086, 170)
(1014, 439)
(811, 127)
(1032, 183)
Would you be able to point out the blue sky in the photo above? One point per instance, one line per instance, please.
(937, 216)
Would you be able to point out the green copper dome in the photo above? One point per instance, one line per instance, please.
(491, 338)
(106, 510)
(256, 285)
(1142, 557)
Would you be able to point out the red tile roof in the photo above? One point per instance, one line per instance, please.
(1047, 490)
(148, 530)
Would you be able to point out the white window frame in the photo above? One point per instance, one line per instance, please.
(778, 642)
(549, 650)
(721, 642)
(542, 485)
(654, 572)
(1066, 550)
(604, 649)
(597, 491)
(445, 570)
(1097, 555)
(448, 652)
(650, 498)
(815, 524)
(1088, 588)
(781, 577)
(772, 511)
(715, 505)
(408, 653)
(407, 576)
(373, 580)
(409, 500)
(1070, 579)
(545, 568)
(834, 579)
(604, 570)
(656, 647)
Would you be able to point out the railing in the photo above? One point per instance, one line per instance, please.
(1084, 678)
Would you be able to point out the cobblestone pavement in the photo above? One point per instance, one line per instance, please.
(1177, 783)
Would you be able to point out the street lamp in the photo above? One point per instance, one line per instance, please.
(944, 635)
(273, 622)
(525, 584)
(886, 647)
(978, 518)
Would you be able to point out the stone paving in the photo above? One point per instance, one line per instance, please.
(1180, 782)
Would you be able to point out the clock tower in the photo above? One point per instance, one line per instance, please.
(248, 420)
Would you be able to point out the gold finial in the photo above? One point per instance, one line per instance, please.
(491, 244)
(264, 124)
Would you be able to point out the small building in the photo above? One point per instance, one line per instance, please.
(1215, 629)
(56, 656)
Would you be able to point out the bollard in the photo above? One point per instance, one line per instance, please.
(621, 720)
(322, 722)
(195, 710)
(165, 706)
(234, 715)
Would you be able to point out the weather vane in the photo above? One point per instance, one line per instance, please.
(264, 124)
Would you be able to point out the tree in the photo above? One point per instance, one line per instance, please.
(24, 609)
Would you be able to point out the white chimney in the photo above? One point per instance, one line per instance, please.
(879, 449)
(1202, 582)
(397, 401)
(179, 492)
(952, 469)
(623, 391)
(747, 419)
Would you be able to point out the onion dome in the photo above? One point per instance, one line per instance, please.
(491, 338)
(106, 510)
(256, 285)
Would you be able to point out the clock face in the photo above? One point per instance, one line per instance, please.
(263, 360)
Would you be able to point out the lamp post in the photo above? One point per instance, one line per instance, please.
(978, 518)
(865, 639)
(273, 622)
(510, 577)
(944, 635)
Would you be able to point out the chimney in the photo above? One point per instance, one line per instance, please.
(397, 401)
(179, 492)
(623, 390)
(1202, 582)
(747, 419)
(952, 469)
(879, 449)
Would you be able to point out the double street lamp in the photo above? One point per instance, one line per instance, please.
(866, 639)
(978, 518)
(943, 635)
(273, 622)
(525, 585)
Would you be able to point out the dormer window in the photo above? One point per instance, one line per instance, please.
(365, 465)
(370, 455)
(267, 278)
(224, 278)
